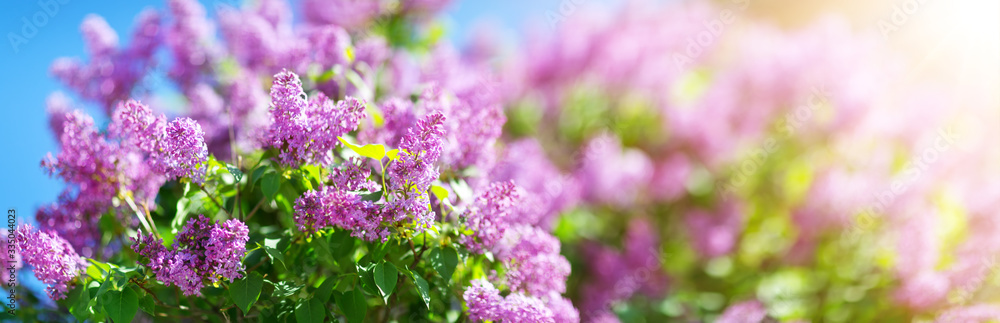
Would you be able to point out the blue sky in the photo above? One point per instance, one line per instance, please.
(26, 80)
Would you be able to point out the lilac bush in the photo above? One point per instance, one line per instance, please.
(347, 165)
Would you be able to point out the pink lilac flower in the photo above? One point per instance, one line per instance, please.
(617, 276)
(183, 152)
(487, 216)
(525, 163)
(175, 149)
(202, 251)
(56, 107)
(411, 174)
(305, 131)
(348, 14)
(744, 312)
(113, 71)
(189, 37)
(485, 303)
(608, 173)
(54, 260)
(397, 115)
(533, 262)
(562, 309)
(483, 300)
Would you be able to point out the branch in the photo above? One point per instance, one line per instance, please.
(212, 197)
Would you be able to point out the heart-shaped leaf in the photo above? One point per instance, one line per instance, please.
(373, 151)
(122, 305)
(310, 311)
(444, 261)
(246, 291)
(353, 305)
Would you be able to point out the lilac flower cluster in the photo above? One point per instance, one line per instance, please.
(304, 131)
(487, 216)
(535, 272)
(112, 71)
(201, 251)
(96, 167)
(486, 304)
(405, 199)
(617, 276)
(175, 149)
(55, 261)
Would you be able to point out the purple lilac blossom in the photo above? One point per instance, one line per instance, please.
(305, 131)
(55, 261)
(202, 251)
(487, 216)
(113, 71)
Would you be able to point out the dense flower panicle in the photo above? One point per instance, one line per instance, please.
(397, 117)
(533, 262)
(353, 175)
(75, 218)
(113, 71)
(520, 308)
(419, 150)
(99, 37)
(562, 309)
(486, 304)
(608, 172)
(183, 152)
(487, 216)
(333, 207)
(348, 14)
(616, 276)
(483, 300)
(225, 249)
(525, 163)
(304, 130)
(138, 125)
(202, 251)
(57, 105)
(189, 38)
(55, 262)
(86, 157)
(332, 44)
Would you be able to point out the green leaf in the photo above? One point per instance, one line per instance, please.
(272, 182)
(80, 298)
(422, 287)
(147, 304)
(444, 261)
(310, 311)
(246, 291)
(122, 305)
(373, 151)
(275, 255)
(440, 192)
(392, 154)
(385, 275)
(284, 289)
(325, 289)
(353, 305)
(258, 173)
(236, 172)
(379, 250)
(372, 197)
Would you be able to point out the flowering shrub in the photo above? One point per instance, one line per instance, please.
(349, 166)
